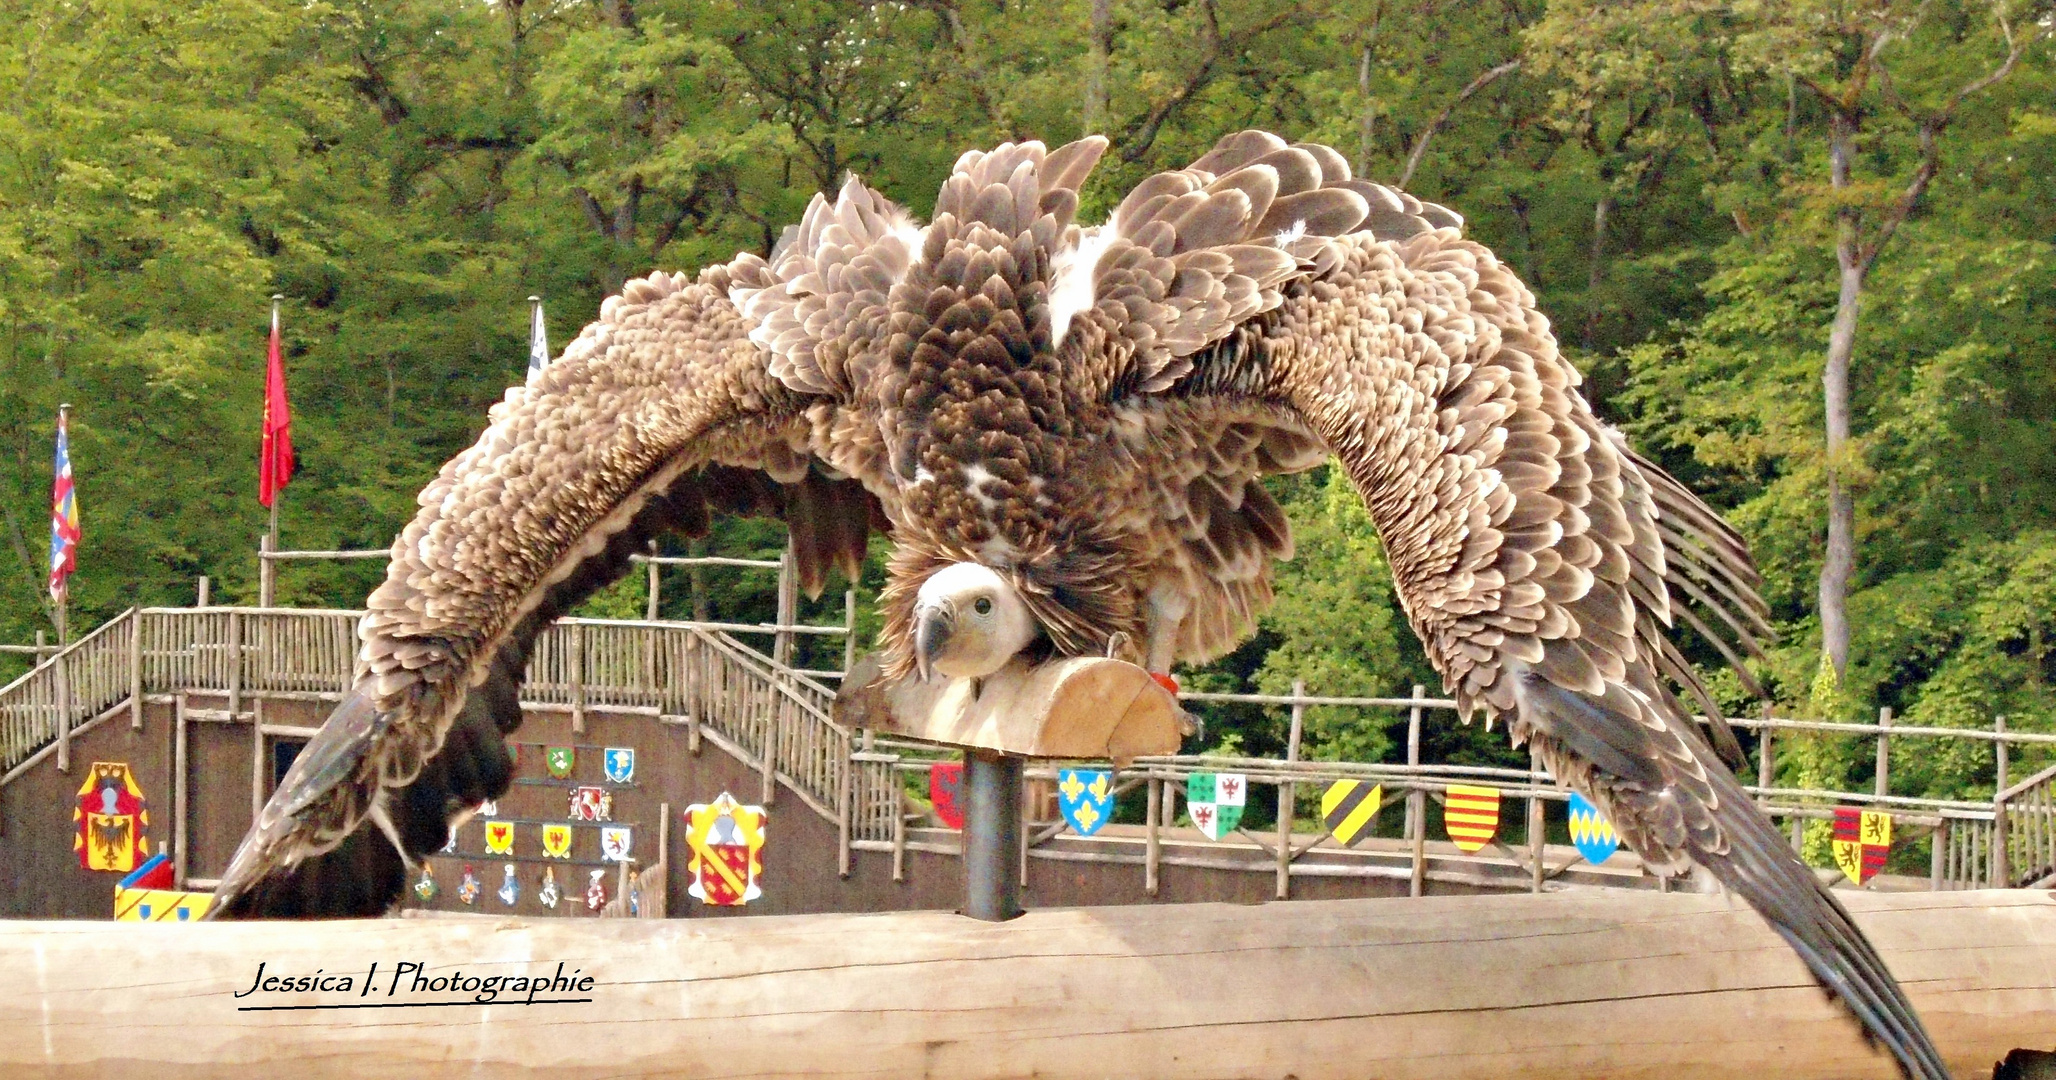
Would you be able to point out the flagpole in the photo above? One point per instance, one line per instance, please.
(63, 599)
(275, 299)
(64, 595)
(267, 568)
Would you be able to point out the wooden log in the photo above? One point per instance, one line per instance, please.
(1568, 985)
(1081, 707)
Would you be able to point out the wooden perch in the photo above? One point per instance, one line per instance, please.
(1564, 986)
(1077, 708)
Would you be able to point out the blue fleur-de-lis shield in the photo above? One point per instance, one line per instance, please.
(1591, 832)
(1086, 798)
(620, 761)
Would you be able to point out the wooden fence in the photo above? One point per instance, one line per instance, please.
(779, 720)
(77, 685)
(2023, 835)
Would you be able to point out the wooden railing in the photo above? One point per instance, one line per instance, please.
(2023, 840)
(774, 717)
(779, 720)
(1962, 853)
(64, 691)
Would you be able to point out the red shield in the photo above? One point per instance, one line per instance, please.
(724, 883)
(945, 790)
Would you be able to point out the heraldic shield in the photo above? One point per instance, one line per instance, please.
(1471, 815)
(946, 792)
(590, 802)
(560, 760)
(727, 843)
(1348, 807)
(615, 842)
(1215, 800)
(1862, 840)
(1086, 798)
(110, 818)
(620, 762)
(1591, 833)
(557, 841)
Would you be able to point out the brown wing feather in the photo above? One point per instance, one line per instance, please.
(1530, 552)
(660, 414)
(1534, 555)
(824, 294)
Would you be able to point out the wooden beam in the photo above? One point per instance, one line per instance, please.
(1568, 985)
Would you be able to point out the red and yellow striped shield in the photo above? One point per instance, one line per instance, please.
(1471, 815)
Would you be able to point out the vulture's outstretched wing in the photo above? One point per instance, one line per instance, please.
(1535, 555)
(660, 413)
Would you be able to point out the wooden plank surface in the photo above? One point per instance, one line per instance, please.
(1078, 707)
(1573, 985)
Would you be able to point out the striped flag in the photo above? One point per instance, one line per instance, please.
(1348, 808)
(275, 460)
(538, 340)
(64, 514)
(1471, 815)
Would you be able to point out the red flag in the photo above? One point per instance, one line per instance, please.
(275, 462)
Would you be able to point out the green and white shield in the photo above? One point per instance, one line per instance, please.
(1214, 800)
(560, 760)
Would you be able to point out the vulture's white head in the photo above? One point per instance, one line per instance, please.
(968, 622)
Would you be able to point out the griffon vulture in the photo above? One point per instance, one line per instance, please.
(1064, 431)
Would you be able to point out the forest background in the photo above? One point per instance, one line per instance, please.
(1801, 249)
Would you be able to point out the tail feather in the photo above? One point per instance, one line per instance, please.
(1671, 800)
(1759, 866)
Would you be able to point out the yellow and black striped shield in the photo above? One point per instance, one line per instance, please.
(1348, 807)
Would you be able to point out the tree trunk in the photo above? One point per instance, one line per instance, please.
(1839, 564)
(1518, 203)
(1101, 45)
(1595, 268)
(702, 611)
(1364, 128)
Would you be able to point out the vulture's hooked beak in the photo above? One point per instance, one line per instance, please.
(933, 626)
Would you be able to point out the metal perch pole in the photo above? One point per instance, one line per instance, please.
(992, 835)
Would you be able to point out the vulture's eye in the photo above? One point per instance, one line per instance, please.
(982, 605)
